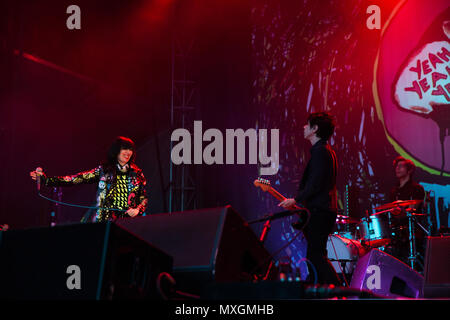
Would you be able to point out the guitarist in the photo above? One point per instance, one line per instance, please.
(317, 192)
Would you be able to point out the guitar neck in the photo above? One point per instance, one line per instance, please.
(280, 197)
(276, 194)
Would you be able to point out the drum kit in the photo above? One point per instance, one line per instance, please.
(392, 228)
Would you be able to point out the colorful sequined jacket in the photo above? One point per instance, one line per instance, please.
(124, 193)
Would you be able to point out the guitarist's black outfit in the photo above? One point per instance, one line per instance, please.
(317, 192)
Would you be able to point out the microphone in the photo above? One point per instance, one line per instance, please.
(38, 178)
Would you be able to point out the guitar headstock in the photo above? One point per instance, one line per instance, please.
(264, 184)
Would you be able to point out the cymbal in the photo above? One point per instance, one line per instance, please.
(413, 212)
(399, 214)
(398, 203)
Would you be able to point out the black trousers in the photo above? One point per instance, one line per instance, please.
(316, 233)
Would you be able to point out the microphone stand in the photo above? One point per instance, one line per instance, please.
(268, 218)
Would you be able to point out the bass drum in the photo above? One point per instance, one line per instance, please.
(344, 253)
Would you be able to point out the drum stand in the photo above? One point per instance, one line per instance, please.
(343, 263)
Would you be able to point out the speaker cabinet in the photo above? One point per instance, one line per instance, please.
(387, 276)
(437, 268)
(209, 245)
(79, 261)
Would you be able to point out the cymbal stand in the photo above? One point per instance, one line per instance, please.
(413, 261)
(427, 201)
(368, 221)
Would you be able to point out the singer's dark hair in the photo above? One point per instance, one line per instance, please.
(325, 123)
(120, 143)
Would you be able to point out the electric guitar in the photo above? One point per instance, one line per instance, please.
(266, 187)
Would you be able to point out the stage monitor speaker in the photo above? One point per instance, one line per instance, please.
(437, 268)
(387, 276)
(207, 245)
(79, 261)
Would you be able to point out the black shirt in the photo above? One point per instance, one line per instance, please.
(317, 188)
(410, 191)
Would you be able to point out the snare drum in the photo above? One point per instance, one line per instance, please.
(344, 253)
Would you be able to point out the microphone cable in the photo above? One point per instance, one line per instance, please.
(79, 206)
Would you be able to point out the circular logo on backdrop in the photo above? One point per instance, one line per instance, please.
(412, 83)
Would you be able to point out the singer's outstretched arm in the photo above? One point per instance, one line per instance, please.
(90, 176)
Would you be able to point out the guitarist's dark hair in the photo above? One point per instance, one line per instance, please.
(325, 123)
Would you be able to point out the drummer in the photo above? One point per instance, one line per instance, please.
(406, 188)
